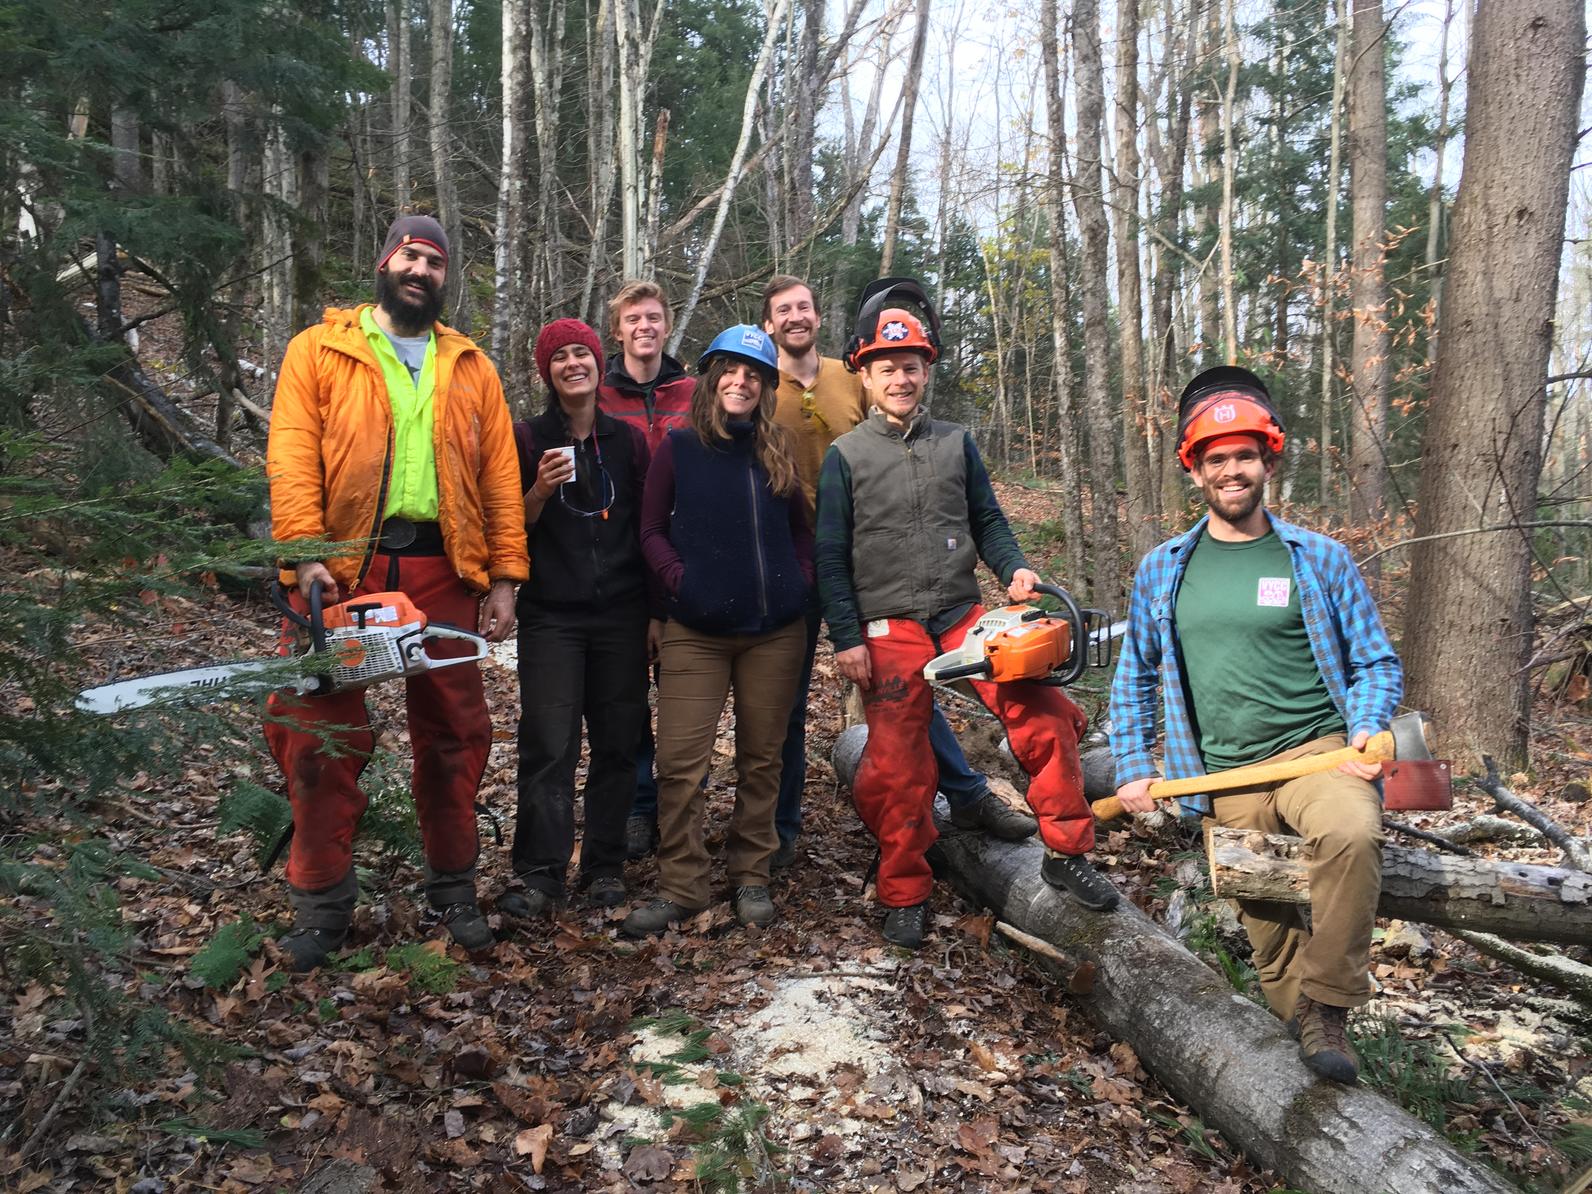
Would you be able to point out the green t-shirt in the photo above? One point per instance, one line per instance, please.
(1253, 685)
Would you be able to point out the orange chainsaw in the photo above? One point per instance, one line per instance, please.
(1023, 642)
(356, 643)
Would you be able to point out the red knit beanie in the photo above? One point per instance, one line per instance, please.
(555, 336)
(407, 229)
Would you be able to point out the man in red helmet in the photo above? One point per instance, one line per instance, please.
(1263, 642)
(905, 511)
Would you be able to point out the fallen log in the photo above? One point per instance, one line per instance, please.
(1507, 899)
(1565, 973)
(1218, 1052)
(1576, 852)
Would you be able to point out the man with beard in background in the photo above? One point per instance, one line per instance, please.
(390, 438)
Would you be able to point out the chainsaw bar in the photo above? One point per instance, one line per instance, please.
(214, 682)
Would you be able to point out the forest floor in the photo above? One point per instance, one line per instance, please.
(805, 1056)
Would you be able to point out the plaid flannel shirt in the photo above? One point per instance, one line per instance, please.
(1357, 661)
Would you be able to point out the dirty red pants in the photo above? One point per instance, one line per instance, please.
(895, 783)
(450, 733)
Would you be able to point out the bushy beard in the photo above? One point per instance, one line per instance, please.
(410, 316)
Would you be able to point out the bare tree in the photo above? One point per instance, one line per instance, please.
(1329, 260)
(509, 315)
(909, 105)
(602, 50)
(1434, 205)
(1368, 472)
(546, 28)
(1469, 625)
(635, 58)
(401, 67)
(1088, 195)
(458, 312)
(1229, 166)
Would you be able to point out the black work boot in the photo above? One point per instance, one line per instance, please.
(906, 926)
(1073, 874)
(996, 818)
(320, 922)
(452, 893)
(785, 856)
(606, 891)
(1324, 1041)
(530, 903)
(654, 917)
(641, 836)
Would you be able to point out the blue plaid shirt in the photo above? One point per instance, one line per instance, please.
(1357, 662)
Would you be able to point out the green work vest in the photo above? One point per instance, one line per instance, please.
(412, 489)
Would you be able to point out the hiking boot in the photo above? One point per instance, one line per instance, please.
(530, 903)
(905, 926)
(467, 926)
(1072, 873)
(606, 891)
(306, 949)
(641, 836)
(996, 818)
(752, 905)
(1324, 1041)
(654, 917)
(784, 857)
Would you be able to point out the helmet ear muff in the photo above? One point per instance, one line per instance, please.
(875, 298)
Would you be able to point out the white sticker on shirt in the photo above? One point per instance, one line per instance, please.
(879, 628)
(1274, 591)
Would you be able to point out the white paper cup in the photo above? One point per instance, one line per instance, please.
(567, 452)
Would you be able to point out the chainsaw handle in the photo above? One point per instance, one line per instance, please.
(441, 630)
(961, 671)
(315, 623)
(1079, 658)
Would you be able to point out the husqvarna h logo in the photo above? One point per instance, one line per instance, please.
(1225, 413)
(894, 330)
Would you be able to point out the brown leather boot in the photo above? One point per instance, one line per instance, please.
(1324, 1041)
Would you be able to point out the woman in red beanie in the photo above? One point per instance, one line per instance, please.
(582, 628)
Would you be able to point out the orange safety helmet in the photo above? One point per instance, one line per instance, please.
(881, 329)
(1225, 400)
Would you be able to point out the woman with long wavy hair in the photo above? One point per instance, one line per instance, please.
(725, 532)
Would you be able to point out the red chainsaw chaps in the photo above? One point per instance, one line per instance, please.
(449, 728)
(896, 778)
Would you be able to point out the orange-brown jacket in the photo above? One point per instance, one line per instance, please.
(331, 447)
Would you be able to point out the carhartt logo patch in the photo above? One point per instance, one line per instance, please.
(1274, 591)
(950, 543)
(879, 628)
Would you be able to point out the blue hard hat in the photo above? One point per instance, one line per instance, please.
(748, 342)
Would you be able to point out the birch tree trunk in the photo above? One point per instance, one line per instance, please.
(457, 311)
(1229, 166)
(909, 105)
(1368, 474)
(1144, 525)
(509, 322)
(1469, 623)
(1060, 300)
(545, 280)
(732, 177)
(632, 91)
(1088, 193)
(600, 153)
(1434, 205)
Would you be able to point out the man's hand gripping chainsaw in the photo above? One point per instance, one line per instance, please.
(359, 642)
(1023, 642)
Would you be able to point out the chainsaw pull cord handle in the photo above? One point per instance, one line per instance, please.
(1079, 658)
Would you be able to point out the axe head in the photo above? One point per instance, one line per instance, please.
(1409, 738)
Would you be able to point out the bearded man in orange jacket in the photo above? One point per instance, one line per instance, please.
(390, 436)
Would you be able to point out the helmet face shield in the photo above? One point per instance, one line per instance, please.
(1225, 400)
(883, 325)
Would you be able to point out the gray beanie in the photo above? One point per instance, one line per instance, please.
(406, 229)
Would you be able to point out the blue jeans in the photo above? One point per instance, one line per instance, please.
(960, 783)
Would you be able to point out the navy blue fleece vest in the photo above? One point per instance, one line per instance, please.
(733, 535)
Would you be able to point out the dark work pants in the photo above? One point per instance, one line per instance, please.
(575, 665)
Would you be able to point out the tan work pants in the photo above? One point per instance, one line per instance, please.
(1340, 817)
(696, 672)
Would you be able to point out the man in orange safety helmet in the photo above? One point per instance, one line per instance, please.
(905, 512)
(1263, 642)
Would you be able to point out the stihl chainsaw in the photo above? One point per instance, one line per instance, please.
(1024, 642)
(356, 643)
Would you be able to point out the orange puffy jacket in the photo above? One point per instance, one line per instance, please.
(330, 453)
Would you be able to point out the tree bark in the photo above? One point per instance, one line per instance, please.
(1329, 259)
(603, 45)
(1524, 903)
(457, 310)
(1229, 168)
(543, 260)
(1369, 365)
(1144, 526)
(909, 106)
(1434, 205)
(401, 65)
(509, 315)
(1088, 194)
(1224, 1056)
(1062, 378)
(804, 119)
(1469, 621)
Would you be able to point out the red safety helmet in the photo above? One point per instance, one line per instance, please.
(881, 329)
(1226, 400)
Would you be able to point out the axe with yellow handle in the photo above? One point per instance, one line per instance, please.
(1405, 738)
